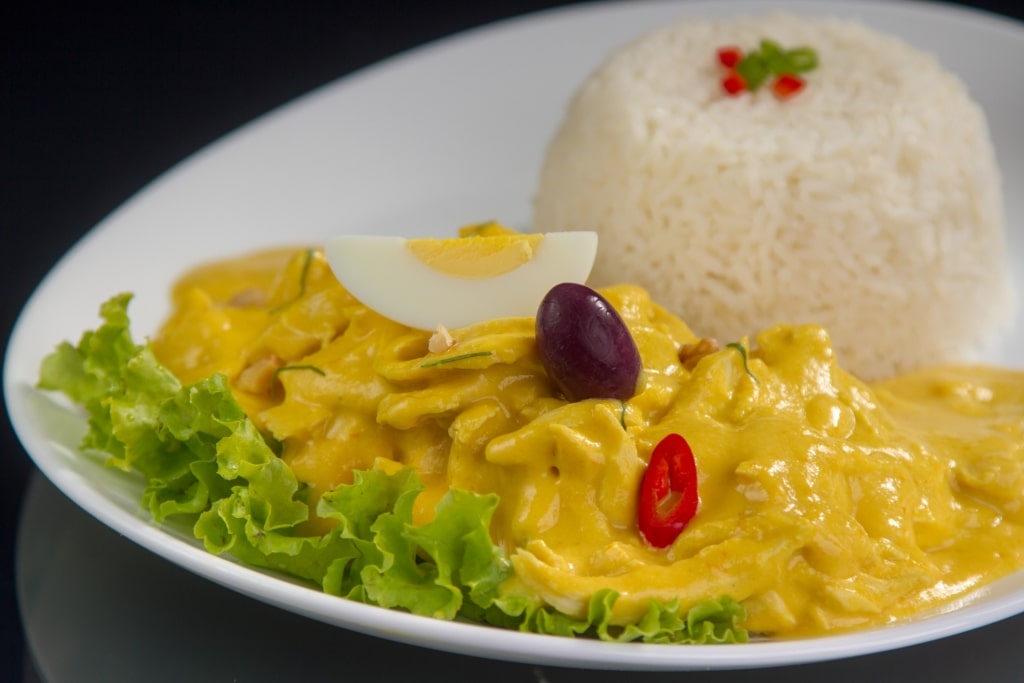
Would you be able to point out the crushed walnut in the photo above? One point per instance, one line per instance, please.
(690, 354)
(441, 340)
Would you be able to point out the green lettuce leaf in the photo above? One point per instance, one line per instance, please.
(204, 461)
(709, 622)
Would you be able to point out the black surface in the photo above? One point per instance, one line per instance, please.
(98, 99)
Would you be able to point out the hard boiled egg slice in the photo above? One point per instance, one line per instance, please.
(459, 281)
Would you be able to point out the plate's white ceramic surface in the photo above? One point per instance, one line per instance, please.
(442, 136)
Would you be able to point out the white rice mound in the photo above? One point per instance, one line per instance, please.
(869, 203)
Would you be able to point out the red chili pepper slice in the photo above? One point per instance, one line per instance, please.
(729, 56)
(787, 85)
(734, 83)
(668, 492)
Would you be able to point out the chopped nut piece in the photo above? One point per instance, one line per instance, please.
(690, 354)
(258, 376)
(248, 298)
(440, 341)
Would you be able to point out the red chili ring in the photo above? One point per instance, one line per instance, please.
(668, 492)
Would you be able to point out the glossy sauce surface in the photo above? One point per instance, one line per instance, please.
(825, 504)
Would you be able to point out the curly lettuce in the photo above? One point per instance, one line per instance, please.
(204, 461)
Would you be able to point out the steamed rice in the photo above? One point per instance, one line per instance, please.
(869, 203)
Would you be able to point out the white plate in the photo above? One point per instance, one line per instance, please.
(442, 136)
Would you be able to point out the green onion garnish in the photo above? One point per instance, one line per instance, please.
(453, 359)
(743, 354)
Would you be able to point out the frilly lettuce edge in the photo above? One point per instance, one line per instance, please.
(203, 460)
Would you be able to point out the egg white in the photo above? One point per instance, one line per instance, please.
(385, 275)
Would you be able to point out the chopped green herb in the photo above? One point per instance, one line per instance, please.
(774, 58)
(802, 59)
(743, 354)
(303, 276)
(453, 359)
(753, 70)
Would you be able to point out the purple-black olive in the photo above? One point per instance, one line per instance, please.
(585, 346)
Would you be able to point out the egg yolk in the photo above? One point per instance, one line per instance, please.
(477, 256)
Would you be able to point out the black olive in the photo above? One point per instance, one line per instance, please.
(585, 346)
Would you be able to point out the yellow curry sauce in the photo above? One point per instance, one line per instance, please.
(826, 504)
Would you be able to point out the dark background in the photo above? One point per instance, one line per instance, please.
(96, 99)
